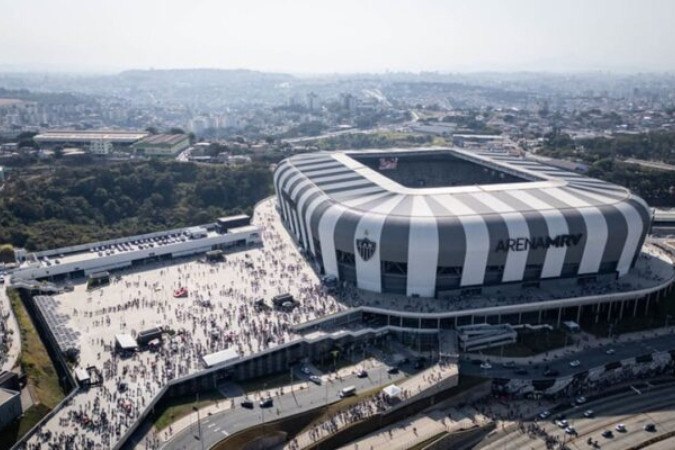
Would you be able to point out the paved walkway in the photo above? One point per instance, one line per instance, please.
(419, 428)
(434, 376)
(12, 327)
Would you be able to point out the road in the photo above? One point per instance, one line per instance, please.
(590, 358)
(655, 405)
(218, 426)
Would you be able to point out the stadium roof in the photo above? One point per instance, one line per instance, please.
(356, 186)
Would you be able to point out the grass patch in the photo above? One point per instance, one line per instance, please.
(35, 361)
(178, 407)
(531, 343)
(22, 425)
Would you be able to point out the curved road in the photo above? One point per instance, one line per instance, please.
(589, 358)
(218, 426)
(656, 405)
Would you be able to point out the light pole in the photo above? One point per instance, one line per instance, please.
(199, 426)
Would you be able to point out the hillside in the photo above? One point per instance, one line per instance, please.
(77, 205)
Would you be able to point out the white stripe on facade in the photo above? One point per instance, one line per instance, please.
(300, 203)
(368, 273)
(514, 267)
(556, 224)
(308, 220)
(477, 240)
(596, 230)
(327, 238)
(422, 250)
(634, 222)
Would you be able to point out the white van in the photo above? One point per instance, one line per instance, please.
(347, 391)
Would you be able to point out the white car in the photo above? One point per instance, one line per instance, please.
(609, 351)
(486, 365)
(545, 414)
(563, 423)
(315, 379)
(580, 400)
(570, 430)
(306, 370)
(575, 363)
(589, 413)
(621, 428)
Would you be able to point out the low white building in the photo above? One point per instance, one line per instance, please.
(162, 145)
(86, 259)
(100, 147)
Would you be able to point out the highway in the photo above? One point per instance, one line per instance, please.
(218, 426)
(655, 404)
(589, 358)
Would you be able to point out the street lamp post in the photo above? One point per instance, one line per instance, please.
(199, 427)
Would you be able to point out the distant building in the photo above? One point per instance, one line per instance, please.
(162, 145)
(74, 137)
(436, 128)
(100, 147)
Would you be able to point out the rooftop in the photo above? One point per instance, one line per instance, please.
(90, 135)
(163, 139)
(503, 183)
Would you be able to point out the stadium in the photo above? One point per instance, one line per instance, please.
(432, 222)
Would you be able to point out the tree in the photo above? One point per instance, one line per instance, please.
(152, 130)
(7, 253)
(176, 130)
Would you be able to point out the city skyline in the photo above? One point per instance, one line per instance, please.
(309, 37)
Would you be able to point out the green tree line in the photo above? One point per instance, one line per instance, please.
(604, 157)
(81, 204)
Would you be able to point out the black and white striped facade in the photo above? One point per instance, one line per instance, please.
(367, 229)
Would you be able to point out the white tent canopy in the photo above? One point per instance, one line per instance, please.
(221, 357)
(392, 391)
(126, 342)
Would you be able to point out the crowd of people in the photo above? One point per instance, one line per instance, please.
(6, 335)
(220, 312)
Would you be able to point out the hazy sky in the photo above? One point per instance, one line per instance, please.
(338, 36)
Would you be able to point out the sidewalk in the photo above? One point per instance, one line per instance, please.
(13, 327)
(415, 385)
(422, 427)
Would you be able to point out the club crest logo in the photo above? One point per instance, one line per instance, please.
(366, 248)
